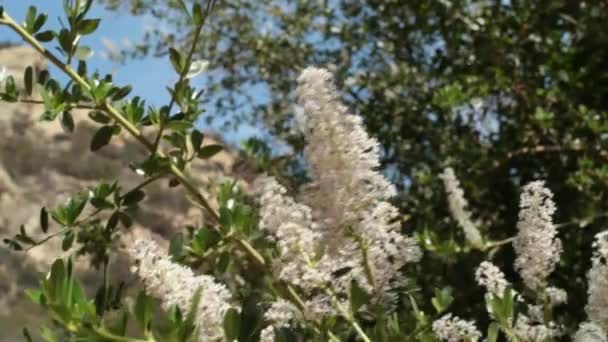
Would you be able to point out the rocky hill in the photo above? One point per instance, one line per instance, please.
(40, 165)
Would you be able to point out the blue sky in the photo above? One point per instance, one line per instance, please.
(149, 76)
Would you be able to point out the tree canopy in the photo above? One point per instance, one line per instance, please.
(494, 93)
(502, 91)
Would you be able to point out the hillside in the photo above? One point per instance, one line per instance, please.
(40, 165)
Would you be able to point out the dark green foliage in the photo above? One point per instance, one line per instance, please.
(504, 92)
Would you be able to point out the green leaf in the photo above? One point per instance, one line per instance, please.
(12, 244)
(223, 262)
(209, 151)
(66, 41)
(358, 297)
(30, 17)
(34, 295)
(102, 190)
(24, 237)
(67, 122)
(11, 94)
(177, 60)
(99, 117)
(39, 22)
(54, 282)
(442, 299)
(102, 137)
(82, 68)
(88, 26)
(493, 332)
(45, 36)
(28, 79)
(177, 245)
(68, 240)
(44, 220)
(48, 335)
(232, 324)
(101, 203)
(144, 305)
(112, 221)
(192, 313)
(204, 239)
(196, 139)
(125, 219)
(419, 314)
(83, 52)
(26, 334)
(122, 93)
(197, 14)
(67, 212)
(242, 218)
(133, 197)
(100, 300)
(151, 166)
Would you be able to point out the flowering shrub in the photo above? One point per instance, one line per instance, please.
(328, 260)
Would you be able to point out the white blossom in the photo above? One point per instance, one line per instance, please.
(453, 329)
(590, 332)
(537, 246)
(556, 295)
(176, 285)
(348, 195)
(341, 228)
(267, 334)
(597, 300)
(297, 236)
(528, 331)
(458, 207)
(282, 313)
(492, 278)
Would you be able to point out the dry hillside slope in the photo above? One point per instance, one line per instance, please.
(40, 165)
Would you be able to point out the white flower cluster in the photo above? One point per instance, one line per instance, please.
(453, 329)
(492, 278)
(348, 195)
(537, 246)
(590, 332)
(343, 223)
(528, 330)
(458, 207)
(556, 295)
(176, 285)
(597, 301)
(267, 334)
(290, 225)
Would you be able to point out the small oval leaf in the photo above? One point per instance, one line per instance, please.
(209, 151)
(44, 220)
(28, 78)
(102, 137)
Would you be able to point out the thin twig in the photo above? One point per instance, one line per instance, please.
(347, 315)
(72, 105)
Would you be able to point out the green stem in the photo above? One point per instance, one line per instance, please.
(47, 239)
(133, 130)
(112, 337)
(72, 106)
(499, 243)
(182, 76)
(347, 315)
(137, 134)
